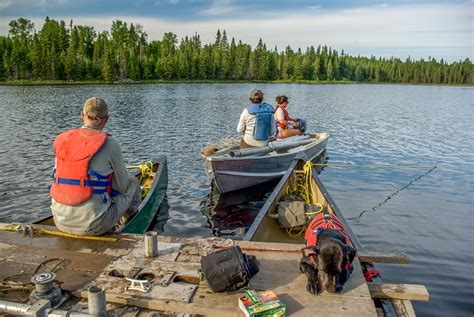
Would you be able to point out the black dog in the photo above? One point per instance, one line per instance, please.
(327, 264)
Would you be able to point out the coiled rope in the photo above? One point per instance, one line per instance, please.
(303, 186)
(146, 171)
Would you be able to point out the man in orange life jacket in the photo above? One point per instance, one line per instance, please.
(92, 189)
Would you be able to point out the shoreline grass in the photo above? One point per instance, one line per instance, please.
(202, 81)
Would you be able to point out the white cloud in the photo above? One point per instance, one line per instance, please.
(41, 5)
(160, 2)
(440, 30)
(220, 7)
(5, 4)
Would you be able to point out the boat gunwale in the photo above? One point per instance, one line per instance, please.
(265, 209)
(304, 147)
(161, 161)
(387, 304)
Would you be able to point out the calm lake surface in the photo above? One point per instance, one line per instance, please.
(431, 219)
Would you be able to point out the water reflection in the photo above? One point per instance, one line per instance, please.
(323, 158)
(161, 217)
(231, 214)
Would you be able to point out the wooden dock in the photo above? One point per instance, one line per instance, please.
(79, 263)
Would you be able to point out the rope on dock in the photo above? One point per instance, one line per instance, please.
(32, 230)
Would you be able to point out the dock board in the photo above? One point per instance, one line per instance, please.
(83, 262)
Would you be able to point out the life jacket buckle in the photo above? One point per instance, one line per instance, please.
(105, 199)
(327, 217)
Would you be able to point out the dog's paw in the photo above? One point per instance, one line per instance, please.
(313, 287)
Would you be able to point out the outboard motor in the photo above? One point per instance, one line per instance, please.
(301, 125)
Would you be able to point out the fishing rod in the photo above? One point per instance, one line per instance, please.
(375, 166)
(374, 208)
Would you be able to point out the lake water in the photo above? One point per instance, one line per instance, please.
(431, 219)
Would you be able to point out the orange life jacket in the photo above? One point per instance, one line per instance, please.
(285, 116)
(324, 220)
(75, 182)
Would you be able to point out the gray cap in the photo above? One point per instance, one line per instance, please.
(256, 93)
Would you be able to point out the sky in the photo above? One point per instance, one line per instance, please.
(390, 28)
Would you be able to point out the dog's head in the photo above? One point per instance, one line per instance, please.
(330, 257)
(329, 261)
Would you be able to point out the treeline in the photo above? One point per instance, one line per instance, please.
(76, 53)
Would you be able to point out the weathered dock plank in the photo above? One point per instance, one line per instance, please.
(399, 291)
(378, 257)
(85, 260)
(404, 308)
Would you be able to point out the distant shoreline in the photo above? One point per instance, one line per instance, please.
(144, 82)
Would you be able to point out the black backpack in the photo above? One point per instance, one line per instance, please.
(229, 270)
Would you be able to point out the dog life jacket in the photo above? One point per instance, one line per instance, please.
(263, 123)
(323, 221)
(74, 181)
(286, 116)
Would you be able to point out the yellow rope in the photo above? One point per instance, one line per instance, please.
(31, 229)
(308, 174)
(295, 232)
(303, 185)
(146, 171)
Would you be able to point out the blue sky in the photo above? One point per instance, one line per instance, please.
(400, 28)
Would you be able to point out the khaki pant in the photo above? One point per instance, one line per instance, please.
(286, 133)
(244, 145)
(122, 204)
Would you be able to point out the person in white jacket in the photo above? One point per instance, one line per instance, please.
(257, 122)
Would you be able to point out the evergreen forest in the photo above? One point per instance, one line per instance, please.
(68, 52)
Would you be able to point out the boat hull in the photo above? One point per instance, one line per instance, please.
(234, 173)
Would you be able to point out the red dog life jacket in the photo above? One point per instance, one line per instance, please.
(324, 220)
(74, 150)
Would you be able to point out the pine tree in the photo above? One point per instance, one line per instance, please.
(17, 64)
(79, 53)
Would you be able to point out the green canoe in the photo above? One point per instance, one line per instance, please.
(155, 183)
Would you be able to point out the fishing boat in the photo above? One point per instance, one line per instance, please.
(232, 168)
(153, 178)
(302, 178)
